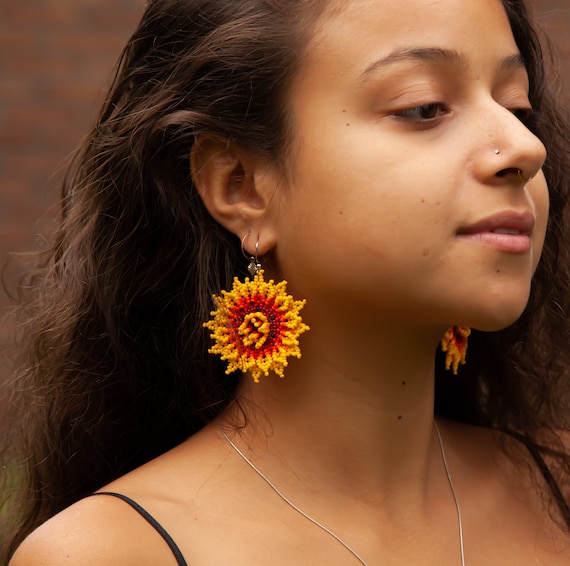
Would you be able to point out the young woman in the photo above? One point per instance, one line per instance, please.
(403, 166)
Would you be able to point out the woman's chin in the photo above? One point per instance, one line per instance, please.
(497, 320)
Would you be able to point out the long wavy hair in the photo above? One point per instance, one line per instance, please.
(114, 367)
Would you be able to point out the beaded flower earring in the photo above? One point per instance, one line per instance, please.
(256, 325)
(454, 344)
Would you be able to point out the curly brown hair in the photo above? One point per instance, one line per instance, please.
(114, 368)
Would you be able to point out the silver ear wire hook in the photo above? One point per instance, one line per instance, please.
(254, 265)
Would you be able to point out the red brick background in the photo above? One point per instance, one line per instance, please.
(56, 58)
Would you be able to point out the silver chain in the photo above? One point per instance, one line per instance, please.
(452, 487)
(327, 530)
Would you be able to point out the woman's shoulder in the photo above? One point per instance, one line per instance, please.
(511, 467)
(95, 530)
(514, 445)
(85, 533)
(508, 453)
(505, 495)
(137, 519)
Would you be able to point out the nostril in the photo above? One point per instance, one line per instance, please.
(507, 171)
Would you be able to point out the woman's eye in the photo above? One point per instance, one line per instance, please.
(423, 113)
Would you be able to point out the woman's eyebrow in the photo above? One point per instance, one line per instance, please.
(420, 54)
(436, 54)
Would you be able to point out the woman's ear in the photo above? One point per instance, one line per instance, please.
(236, 187)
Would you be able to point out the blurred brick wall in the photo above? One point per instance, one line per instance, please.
(553, 17)
(56, 58)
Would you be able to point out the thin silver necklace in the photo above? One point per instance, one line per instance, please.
(327, 530)
(452, 487)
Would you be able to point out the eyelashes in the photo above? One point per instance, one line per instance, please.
(425, 114)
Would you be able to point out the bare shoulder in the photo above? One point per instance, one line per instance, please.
(96, 530)
(104, 529)
(505, 496)
(510, 457)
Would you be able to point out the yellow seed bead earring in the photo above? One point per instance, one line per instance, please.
(256, 325)
(454, 345)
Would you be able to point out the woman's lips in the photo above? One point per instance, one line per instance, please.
(506, 231)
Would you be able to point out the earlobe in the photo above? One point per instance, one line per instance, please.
(227, 180)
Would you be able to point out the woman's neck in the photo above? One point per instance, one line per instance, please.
(355, 417)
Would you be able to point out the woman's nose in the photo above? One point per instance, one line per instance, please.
(512, 152)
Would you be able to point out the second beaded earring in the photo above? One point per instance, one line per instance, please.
(454, 344)
(256, 325)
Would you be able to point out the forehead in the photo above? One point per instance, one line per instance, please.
(353, 31)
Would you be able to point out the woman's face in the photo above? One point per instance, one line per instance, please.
(403, 181)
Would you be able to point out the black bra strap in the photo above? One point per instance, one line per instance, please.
(546, 473)
(150, 519)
